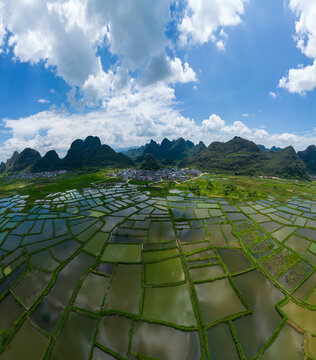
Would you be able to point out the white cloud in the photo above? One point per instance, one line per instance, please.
(273, 94)
(2, 29)
(132, 118)
(67, 35)
(162, 68)
(43, 101)
(214, 122)
(135, 30)
(203, 18)
(303, 78)
(300, 80)
(245, 115)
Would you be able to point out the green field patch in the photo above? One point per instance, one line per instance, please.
(205, 254)
(92, 292)
(218, 300)
(96, 243)
(298, 244)
(232, 241)
(27, 343)
(31, 286)
(125, 253)
(288, 345)
(167, 232)
(260, 218)
(256, 328)
(302, 291)
(164, 272)
(207, 206)
(154, 232)
(44, 260)
(75, 339)
(93, 213)
(111, 222)
(303, 317)
(201, 213)
(86, 235)
(280, 262)
(294, 275)
(169, 304)
(283, 233)
(220, 343)
(247, 209)
(206, 272)
(113, 333)
(149, 256)
(192, 235)
(187, 248)
(177, 345)
(125, 291)
(64, 250)
(312, 248)
(271, 226)
(10, 311)
(47, 313)
(236, 216)
(217, 238)
(312, 346)
(235, 260)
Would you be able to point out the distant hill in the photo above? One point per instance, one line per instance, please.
(309, 158)
(243, 157)
(50, 161)
(273, 148)
(21, 162)
(82, 154)
(173, 150)
(149, 163)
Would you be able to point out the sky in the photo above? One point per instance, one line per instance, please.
(133, 70)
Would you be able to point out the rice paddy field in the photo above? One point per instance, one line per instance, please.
(119, 271)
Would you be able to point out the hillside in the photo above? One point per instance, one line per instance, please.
(21, 162)
(309, 158)
(243, 157)
(88, 153)
(174, 150)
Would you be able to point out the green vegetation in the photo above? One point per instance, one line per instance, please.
(242, 157)
(149, 163)
(309, 158)
(195, 267)
(168, 150)
(242, 188)
(83, 154)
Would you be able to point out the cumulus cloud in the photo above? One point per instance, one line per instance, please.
(162, 68)
(302, 79)
(69, 35)
(204, 21)
(132, 119)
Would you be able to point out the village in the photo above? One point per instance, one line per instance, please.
(173, 174)
(45, 174)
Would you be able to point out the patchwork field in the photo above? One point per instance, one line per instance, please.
(117, 271)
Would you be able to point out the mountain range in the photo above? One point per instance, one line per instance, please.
(237, 156)
(88, 153)
(273, 148)
(168, 150)
(244, 157)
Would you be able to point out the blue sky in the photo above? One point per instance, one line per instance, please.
(131, 71)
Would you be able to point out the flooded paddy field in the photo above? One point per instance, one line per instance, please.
(114, 272)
